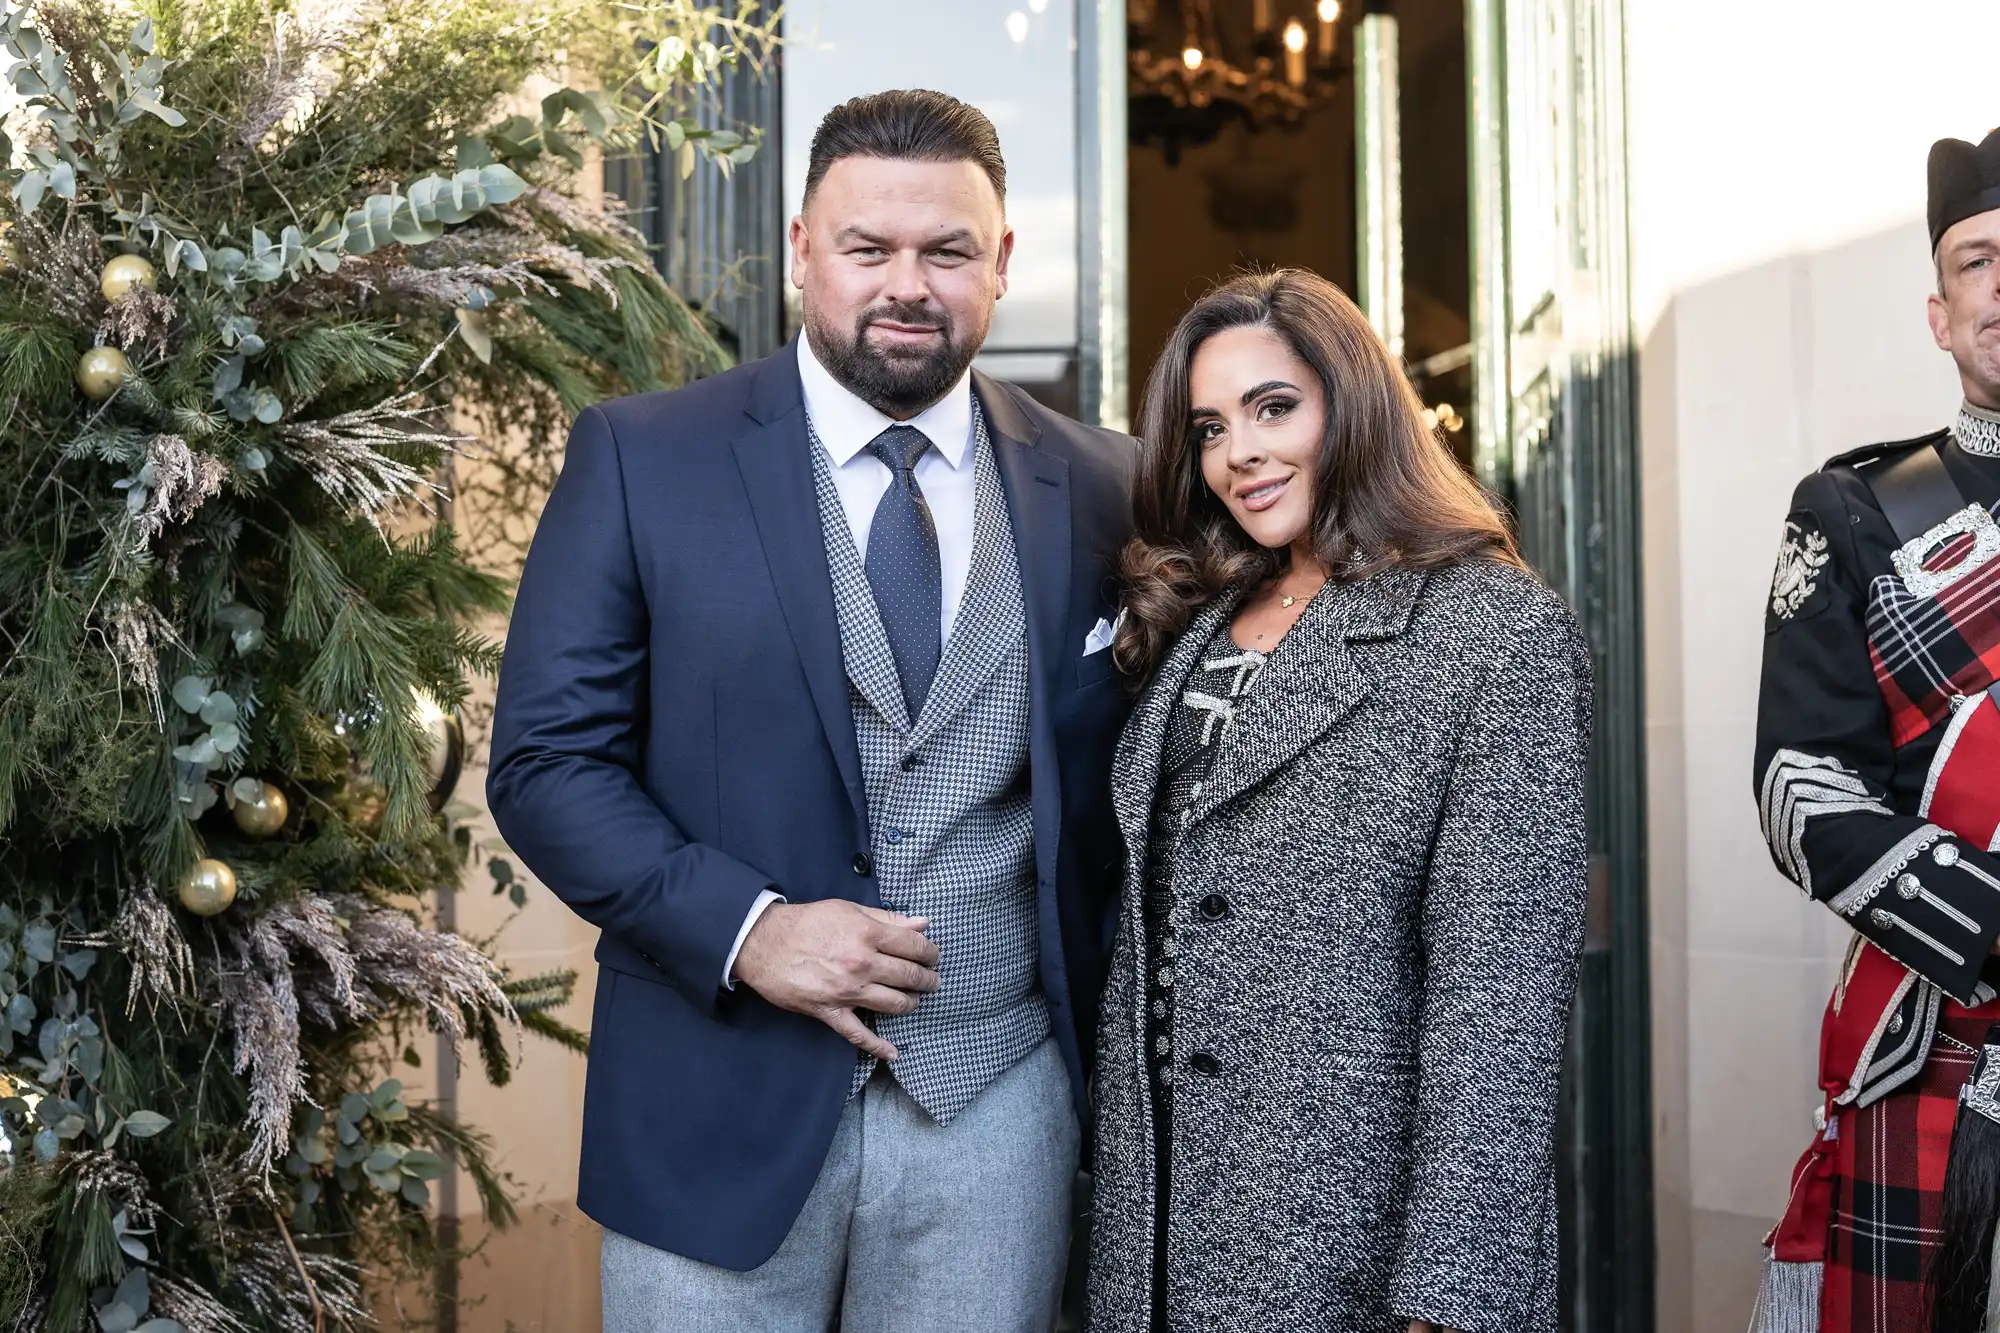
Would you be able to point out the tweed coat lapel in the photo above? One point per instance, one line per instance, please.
(1135, 766)
(864, 644)
(1312, 681)
(984, 629)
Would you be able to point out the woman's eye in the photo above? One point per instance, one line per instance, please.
(1208, 432)
(1275, 410)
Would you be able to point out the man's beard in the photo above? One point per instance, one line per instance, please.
(897, 382)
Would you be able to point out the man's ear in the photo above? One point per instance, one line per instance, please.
(801, 250)
(1940, 317)
(1006, 254)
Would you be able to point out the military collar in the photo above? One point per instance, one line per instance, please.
(1977, 431)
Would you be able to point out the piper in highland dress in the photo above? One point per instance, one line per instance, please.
(1878, 787)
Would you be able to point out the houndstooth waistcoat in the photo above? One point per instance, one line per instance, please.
(951, 826)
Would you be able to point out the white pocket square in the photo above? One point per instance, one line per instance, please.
(1102, 634)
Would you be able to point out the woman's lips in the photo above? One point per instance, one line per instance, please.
(1263, 495)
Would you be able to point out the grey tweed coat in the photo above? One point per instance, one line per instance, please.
(1380, 899)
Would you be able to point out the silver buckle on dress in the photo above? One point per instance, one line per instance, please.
(1972, 521)
(1981, 1092)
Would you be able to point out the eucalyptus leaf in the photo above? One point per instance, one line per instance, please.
(385, 1158)
(228, 377)
(28, 190)
(416, 1192)
(205, 752)
(78, 962)
(47, 1145)
(70, 1126)
(252, 459)
(266, 407)
(385, 1092)
(218, 708)
(142, 35)
(353, 1107)
(62, 180)
(246, 789)
(250, 345)
(423, 1165)
(39, 942)
(145, 1124)
(190, 692)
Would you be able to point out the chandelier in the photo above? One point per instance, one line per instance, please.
(1267, 63)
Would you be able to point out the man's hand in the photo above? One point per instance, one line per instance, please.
(827, 959)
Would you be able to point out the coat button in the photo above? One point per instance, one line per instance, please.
(1214, 907)
(1204, 1064)
(910, 761)
(864, 864)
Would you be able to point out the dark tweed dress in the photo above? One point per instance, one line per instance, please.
(1222, 677)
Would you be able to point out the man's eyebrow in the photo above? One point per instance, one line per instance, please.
(855, 232)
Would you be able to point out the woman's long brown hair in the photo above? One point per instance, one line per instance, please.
(1387, 492)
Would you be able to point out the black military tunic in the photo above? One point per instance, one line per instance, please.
(1864, 664)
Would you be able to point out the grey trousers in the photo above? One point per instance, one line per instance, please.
(912, 1226)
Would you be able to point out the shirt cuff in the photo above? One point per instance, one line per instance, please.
(764, 900)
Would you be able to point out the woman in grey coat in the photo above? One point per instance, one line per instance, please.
(1352, 797)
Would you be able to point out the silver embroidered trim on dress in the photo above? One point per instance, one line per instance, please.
(1799, 788)
(1977, 431)
(1972, 521)
(1892, 863)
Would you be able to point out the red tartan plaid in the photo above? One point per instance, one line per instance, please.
(1888, 1188)
(1927, 649)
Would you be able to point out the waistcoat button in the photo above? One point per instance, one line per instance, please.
(1204, 1064)
(1214, 907)
(864, 864)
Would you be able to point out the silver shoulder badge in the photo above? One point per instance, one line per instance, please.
(1801, 557)
(1972, 521)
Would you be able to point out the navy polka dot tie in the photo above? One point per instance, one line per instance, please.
(903, 568)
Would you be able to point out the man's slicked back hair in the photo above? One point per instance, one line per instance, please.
(911, 124)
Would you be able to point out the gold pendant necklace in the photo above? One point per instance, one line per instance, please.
(1286, 601)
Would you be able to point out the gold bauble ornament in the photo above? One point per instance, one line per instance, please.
(261, 815)
(101, 372)
(124, 273)
(208, 888)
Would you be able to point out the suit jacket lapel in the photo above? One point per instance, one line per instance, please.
(1037, 486)
(1314, 679)
(777, 476)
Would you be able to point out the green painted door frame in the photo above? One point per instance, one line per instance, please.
(1555, 434)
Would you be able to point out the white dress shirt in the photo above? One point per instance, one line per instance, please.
(846, 426)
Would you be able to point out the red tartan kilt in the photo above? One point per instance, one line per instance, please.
(1888, 1188)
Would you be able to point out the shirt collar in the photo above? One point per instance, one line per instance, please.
(846, 425)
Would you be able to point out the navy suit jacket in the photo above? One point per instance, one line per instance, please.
(673, 736)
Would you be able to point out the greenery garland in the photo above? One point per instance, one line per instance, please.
(259, 258)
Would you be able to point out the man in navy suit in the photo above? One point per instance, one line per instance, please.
(807, 706)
